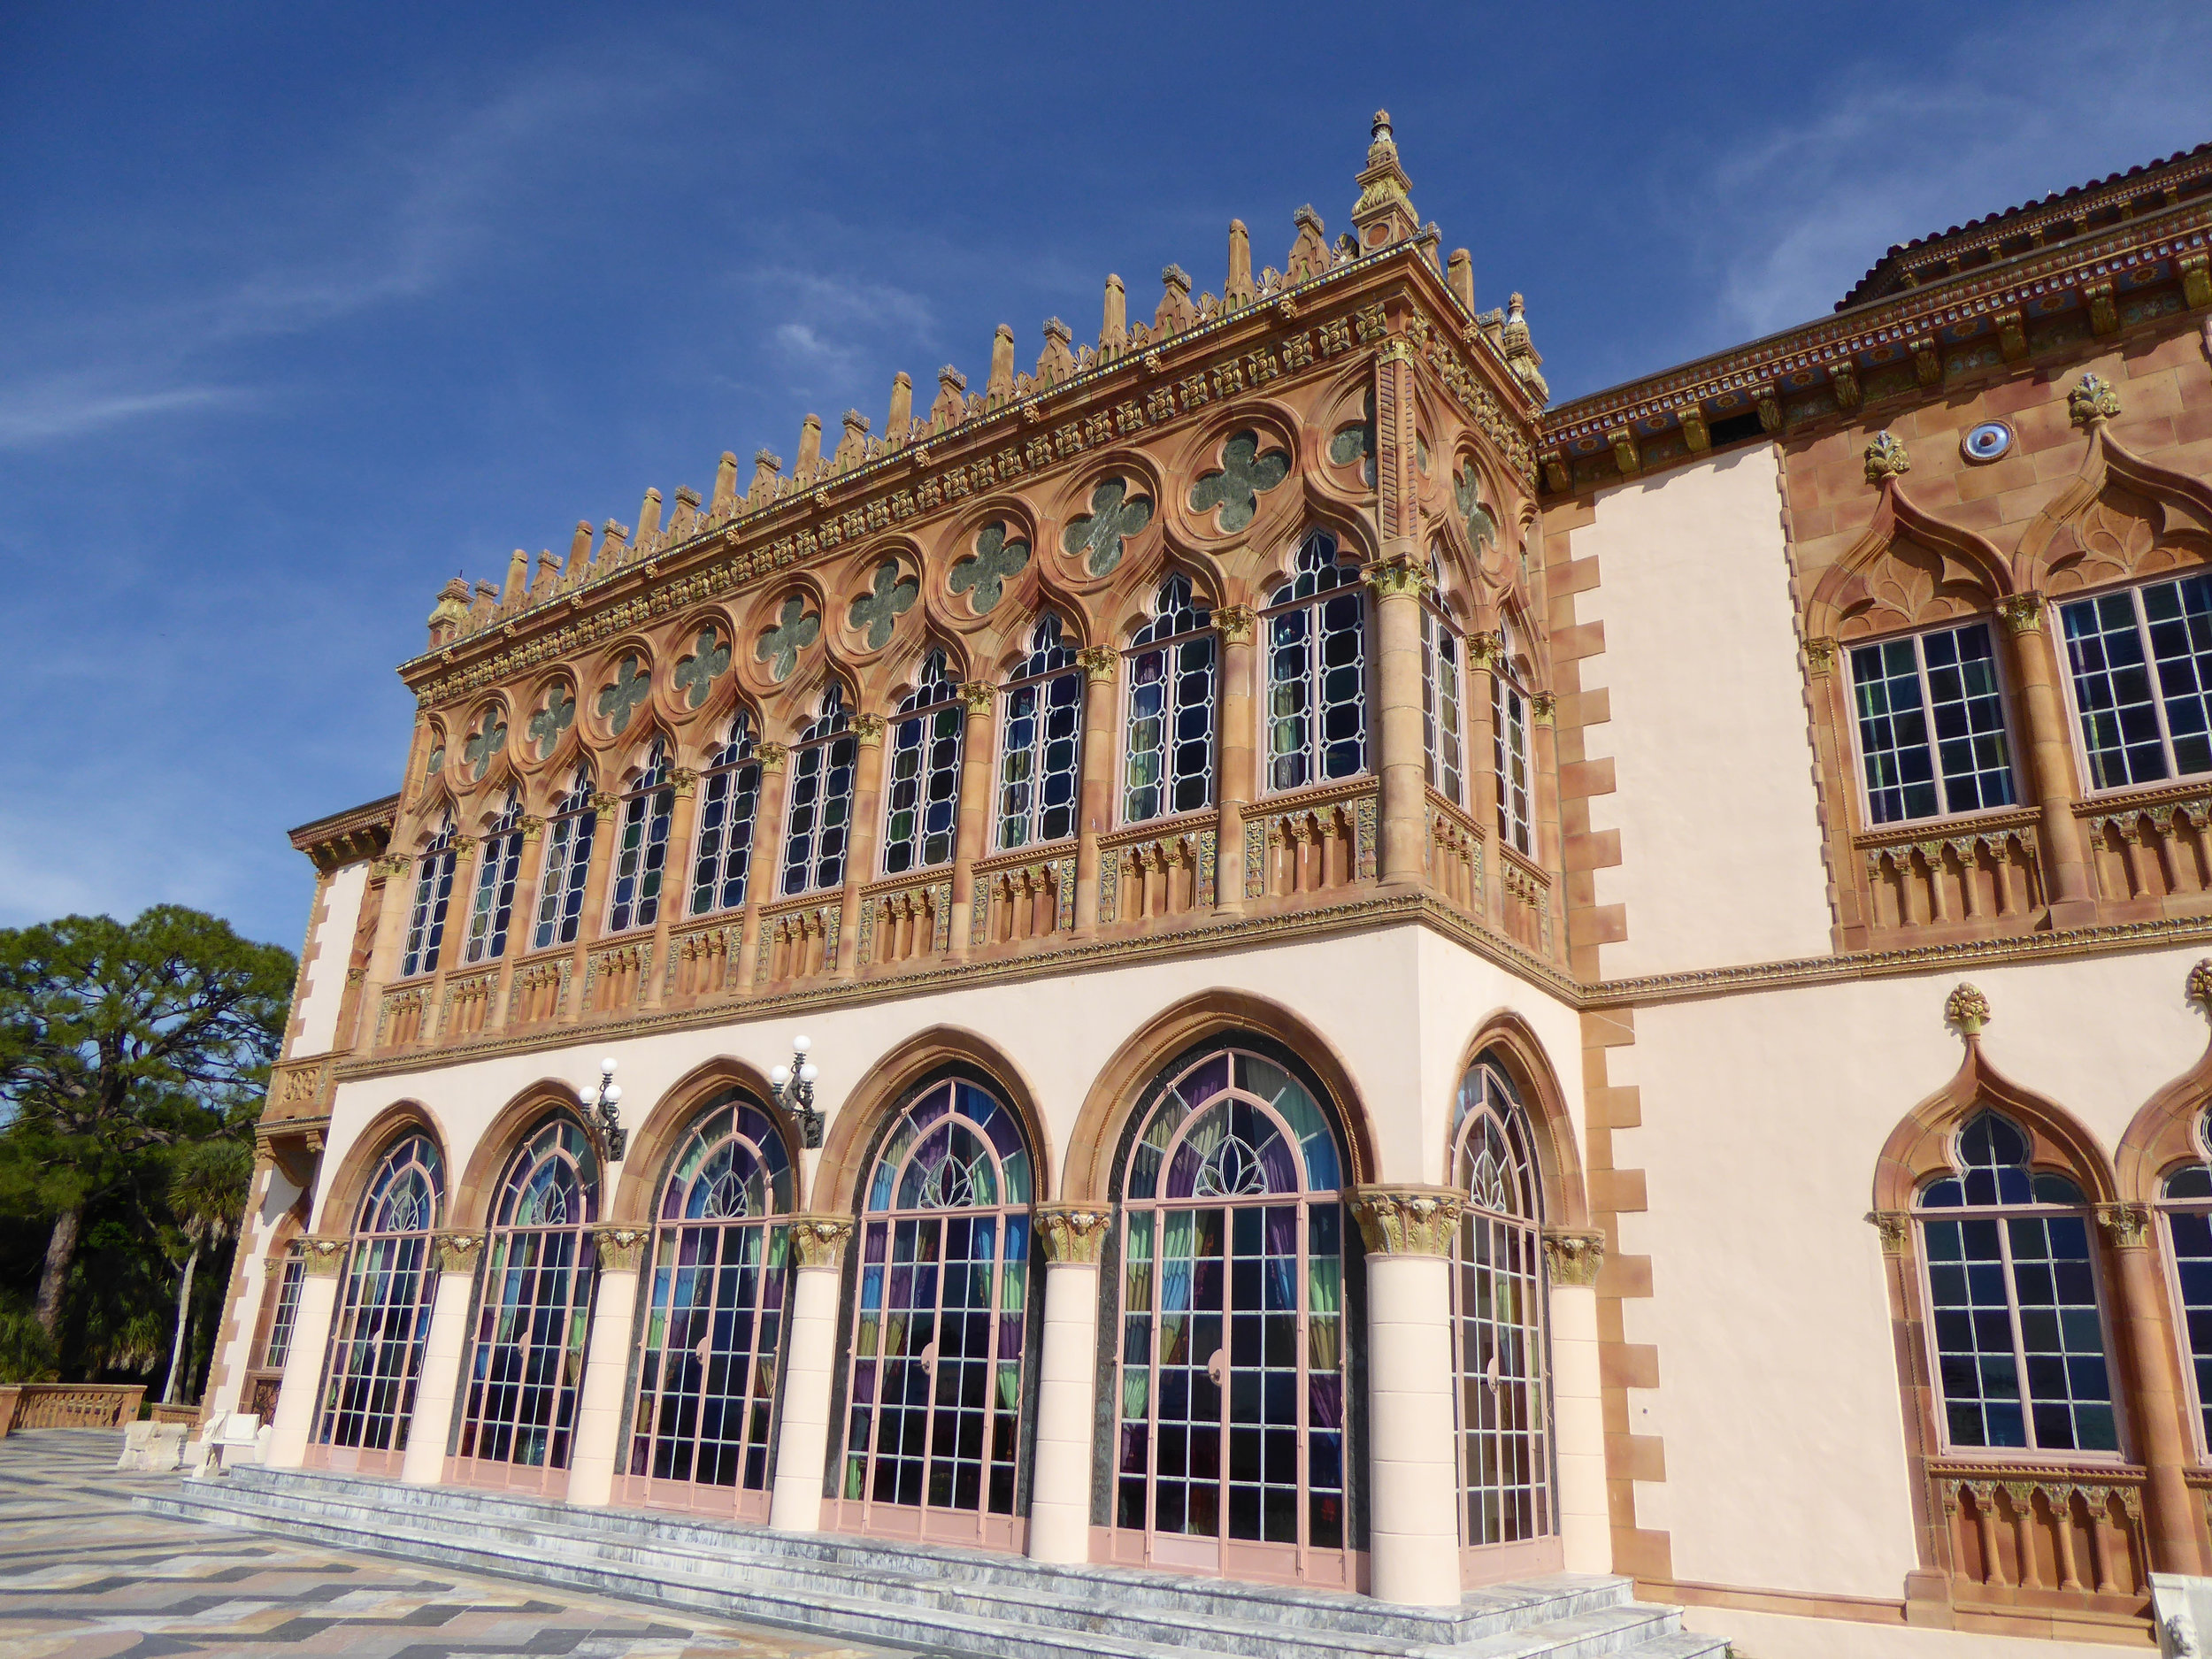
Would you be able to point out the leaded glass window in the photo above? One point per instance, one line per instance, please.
(640, 855)
(2141, 660)
(285, 1314)
(1440, 720)
(1932, 725)
(498, 864)
(730, 793)
(2012, 1289)
(820, 822)
(1168, 743)
(433, 891)
(922, 800)
(567, 864)
(1040, 743)
(1317, 669)
(383, 1316)
(2185, 1207)
(1509, 742)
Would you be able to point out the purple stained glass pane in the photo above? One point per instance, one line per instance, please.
(1205, 1081)
(1325, 1396)
(1281, 1170)
(1009, 1336)
(1282, 1228)
(1182, 1173)
(864, 1380)
(931, 1109)
(873, 1250)
(1132, 1449)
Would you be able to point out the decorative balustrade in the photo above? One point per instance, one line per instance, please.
(702, 960)
(1020, 897)
(909, 922)
(300, 1089)
(615, 975)
(403, 1017)
(2153, 848)
(2038, 1537)
(1989, 873)
(799, 942)
(540, 991)
(467, 1006)
(1453, 856)
(1146, 873)
(1317, 842)
(68, 1405)
(1525, 908)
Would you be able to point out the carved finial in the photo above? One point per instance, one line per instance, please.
(766, 464)
(1521, 355)
(1384, 213)
(1886, 457)
(1238, 288)
(1967, 1009)
(1002, 381)
(852, 449)
(2200, 987)
(1459, 276)
(518, 578)
(648, 516)
(1113, 332)
(725, 481)
(2092, 401)
(1175, 277)
(1378, 133)
(951, 406)
(809, 448)
(1056, 362)
(1176, 310)
(450, 611)
(902, 417)
(578, 552)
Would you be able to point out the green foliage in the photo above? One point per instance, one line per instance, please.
(26, 1353)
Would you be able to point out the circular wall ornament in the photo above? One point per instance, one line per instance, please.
(1989, 441)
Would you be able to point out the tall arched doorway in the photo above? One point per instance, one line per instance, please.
(1508, 1519)
(533, 1315)
(938, 1354)
(1230, 1450)
(717, 1300)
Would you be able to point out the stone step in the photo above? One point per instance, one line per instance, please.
(927, 1595)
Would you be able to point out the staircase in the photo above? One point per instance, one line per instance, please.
(931, 1596)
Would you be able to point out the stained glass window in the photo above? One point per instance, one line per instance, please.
(1932, 725)
(1041, 743)
(498, 864)
(1168, 740)
(730, 799)
(567, 864)
(1440, 698)
(2185, 1207)
(821, 811)
(641, 854)
(1317, 669)
(1508, 714)
(383, 1316)
(922, 793)
(433, 891)
(2141, 660)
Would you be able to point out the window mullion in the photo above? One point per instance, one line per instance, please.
(2019, 1342)
(2154, 683)
(1928, 725)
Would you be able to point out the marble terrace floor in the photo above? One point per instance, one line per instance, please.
(83, 1575)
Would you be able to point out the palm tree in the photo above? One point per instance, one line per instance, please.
(208, 1190)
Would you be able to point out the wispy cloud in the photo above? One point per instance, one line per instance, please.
(38, 413)
(824, 330)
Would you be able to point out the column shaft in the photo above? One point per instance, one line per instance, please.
(1413, 1469)
(300, 1393)
(440, 1380)
(599, 1413)
(1060, 1490)
(975, 806)
(817, 1244)
(675, 882)
(1236, 739)
(2154, 1389)
(2074, 893)
(860, 841)
(1100, 764)
(1578, 1429)
(1401, 753)
(766, 857)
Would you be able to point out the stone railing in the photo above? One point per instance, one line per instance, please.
(468, 1003)
(1154, 872)
(1318, 841)
(1453, 856)
(615, 975)
(68, 1405)
(908, 919)
(539, 994)
(1526, 903)
(2043, 1536)
(1977, 875)
(1021, 897)
(798, 942)
(703, 959)
(2153, 847)
(402, 1018)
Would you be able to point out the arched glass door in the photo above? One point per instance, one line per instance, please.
(376, 1342)
(1508, 1521)
(1230, 1457)
(938, 1361)
(533, 1315)
(707, 1369)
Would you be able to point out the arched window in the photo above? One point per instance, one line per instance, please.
(1040, 743)
(2184, 1205)
(500, 861)
(939, 1354)
(1169, 735)
(1498, 1323)
(821, 816)
(1230, 1452)
(2012, 1286)
(376, 1343)
(640, 855)
(433, 891)
(2140, 659)
(1440, 721)
(731, 790)
(1317, 669)
(534, 1314)
(707, 1372)
(1509, 716)
(1932, 725)
(922, 805)
(567, 863)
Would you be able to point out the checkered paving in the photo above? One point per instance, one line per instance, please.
(82, 1576)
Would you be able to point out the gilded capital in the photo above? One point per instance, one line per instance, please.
(976, 695)
(1886, 457)
(1574, 1258)
(820, 1240)
(771, 756)
(1543, 707)
(457, 1252)
(1820, 655)
(869, 729)
(1073, 1234)
(2091, 401)
(1397, 574)
(2126, 1226)
(1407, 1220)
(1236, 623)
(1895, 1226)
(684, 780)
(621, 1249)
(1097, 661)
(2023, 613)
(1484, 650)
(604, 803)
(532, 828)
(321, 1258)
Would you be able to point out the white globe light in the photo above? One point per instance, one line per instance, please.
(606, 1066)
(780, 1075)
(807, 1073)
(611, 1093)
(800, 1045)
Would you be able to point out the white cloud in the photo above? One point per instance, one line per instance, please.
(68, 406)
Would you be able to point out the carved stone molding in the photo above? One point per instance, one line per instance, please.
(457, 1252)
(1071, 1233)
(1820, 656)
(2126, 1226)
(771, 756)
(1543, 707)
(1886, 457)
(683, 781)
(1236, 623)
(2199, 989)
(1407, 1220)
(1895, 1226)
(1396, 575)
(976, 695)
(1097, 661)
(1574, 1258)
(820, 1240)
(2091, 401)
(621, 1249)
(869, 729)
(604, 803)
(2023, 613)
(321, 1258)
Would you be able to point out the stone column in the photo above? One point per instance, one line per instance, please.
(453, 1257)
(767, 855)
(802, 1437)
(1413, 1483)
(1100, 761)
(1070, 1239)
(1577, 1410)
(1543, 709)
(322, 1261)
(1400, 757)
(599, 1412)
(2073, 897)
(860, 840)
(1235, 740)
(1479, 720)
(522, 916)
(975, 805)
(683, 822)
(398, 872)
(591, 922)
(2150, 1375)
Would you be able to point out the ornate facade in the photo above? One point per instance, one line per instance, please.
(1372, 947)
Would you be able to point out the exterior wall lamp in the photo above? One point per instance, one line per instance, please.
(795, 1091)
(600, 1097)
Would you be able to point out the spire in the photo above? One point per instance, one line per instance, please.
(724, 483)
(1384, 213)
(901, 416)
(649, 517)
(1113, 333)
(1001, 385)
(1238, 289)
(810, 448)
(578, 554)
(1520, 355)
(1460, 276)
(517, 579)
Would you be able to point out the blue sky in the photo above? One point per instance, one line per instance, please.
(309, 308)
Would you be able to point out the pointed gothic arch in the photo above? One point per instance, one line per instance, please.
(1910, 569)
(2122, 518)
